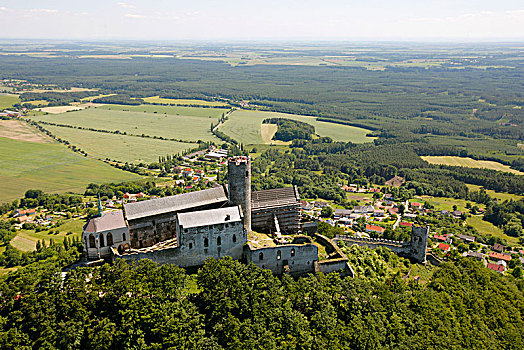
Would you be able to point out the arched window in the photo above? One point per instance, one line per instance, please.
(293, 252)
(190, 245)
(206, 242)
(234, 238)
(279, 255)
(261, 256)
(109, 239)
(92, 243)
(101, 238)
(219, 240)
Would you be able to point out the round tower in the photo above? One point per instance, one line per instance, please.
(239, 180)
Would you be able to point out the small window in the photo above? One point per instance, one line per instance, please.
(234, 238)
(293, 252)
(279, 255)
(261, 256)
(124, 236)
(190, 245)
(206, 242)
(109, 239)
(247, 173)
(219, 240)
(186, 230)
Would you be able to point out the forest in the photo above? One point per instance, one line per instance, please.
(229, 305)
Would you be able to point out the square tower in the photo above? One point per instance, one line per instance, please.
(239, 180)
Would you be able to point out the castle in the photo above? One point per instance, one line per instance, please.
(188, 228)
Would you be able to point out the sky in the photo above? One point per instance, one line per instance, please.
(372, 20)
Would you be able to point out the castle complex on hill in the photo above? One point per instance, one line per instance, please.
(188, 228)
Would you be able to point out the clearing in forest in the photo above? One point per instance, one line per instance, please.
(246, 127)
(470, 163)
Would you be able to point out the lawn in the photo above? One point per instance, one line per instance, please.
(25, 240)
(157, 99)
(485, 227)
(469, 163)
(122, 148)
(441, 203)
(193, 126)
(245, 127)
(7, 101)
(50, 167)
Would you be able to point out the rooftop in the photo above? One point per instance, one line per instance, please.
(274, 197)
(179, 202)
(108, 221)
(210, 217)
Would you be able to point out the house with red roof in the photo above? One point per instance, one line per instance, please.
(444, 247)
(499, 256)
(374, 228)
(406, 224)
(495, 267)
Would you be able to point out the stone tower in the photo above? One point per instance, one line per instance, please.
(419, 243)
(239, 179)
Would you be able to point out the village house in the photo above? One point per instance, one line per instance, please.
(364, 209)
(374, 228)
(498, 247)
(476, 255)
(187, 172)
(495, 267)
(466, 238)
(406, 224)
(444, 247)
(499, 256)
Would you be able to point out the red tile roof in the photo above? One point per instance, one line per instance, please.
(499, 256)
(445, 247)
(405, 223)
(496, 267)
(375, 228)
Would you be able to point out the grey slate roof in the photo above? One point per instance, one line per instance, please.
(209, 217)
(274, 198)
(179, 202)
(109, 221)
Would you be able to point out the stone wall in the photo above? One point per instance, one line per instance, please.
(288, 218)
(150, 230)
(295, 259)
(195, 246)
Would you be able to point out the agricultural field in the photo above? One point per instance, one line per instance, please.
(25, 240)
(213, 113)
(469, 163)
(442, 203)
(8, 100)
(19, 130)
(50, 167)
(172, 101)
(191, 126)
(245, 127)
(118, 147)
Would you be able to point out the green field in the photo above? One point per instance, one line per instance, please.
(7, 101)
(245, 127)
(157, 99)
(122, 148)
(498, 195)
(442, 203)
(25, 240)
(469, 163)
(194, 125)
(49, 167)
(485, 227)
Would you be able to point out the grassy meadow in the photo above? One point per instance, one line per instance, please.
(245, 127)
(7, 101)
(25, 240)
(469, 163)
(194, 125)
(50, 167)
(501, 196)
(122, 148)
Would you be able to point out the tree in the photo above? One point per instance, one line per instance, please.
(326, 212)
(514, 227)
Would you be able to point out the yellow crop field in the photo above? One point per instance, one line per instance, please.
(469, 163)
